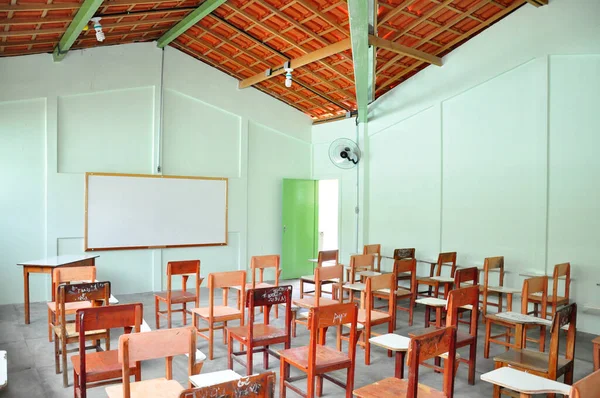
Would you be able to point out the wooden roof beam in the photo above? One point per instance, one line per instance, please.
(358, 11)
(295, 63)
(538, 3)
(190, 20)
(81, 19)
(404, 50)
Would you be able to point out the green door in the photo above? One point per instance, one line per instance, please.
(300, 224)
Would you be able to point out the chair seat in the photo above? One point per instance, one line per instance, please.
(219, 312)
(178, 296)
(502, 289)
(160, 388)
(529, 360)
(537, 298)
(71, 308)
(326, 358)
(399, 292)
(309, 302)
(426, 280)
(260, 332)
(375, 316)
(393, 387)
(70, 331)
(98, 363)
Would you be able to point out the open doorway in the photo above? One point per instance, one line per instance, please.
(328, 215)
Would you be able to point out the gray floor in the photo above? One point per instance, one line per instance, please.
(31, 361)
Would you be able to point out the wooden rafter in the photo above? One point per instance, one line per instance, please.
(404, 50)
(538, 3)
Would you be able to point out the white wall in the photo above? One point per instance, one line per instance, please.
(494, 153)
(99, 110)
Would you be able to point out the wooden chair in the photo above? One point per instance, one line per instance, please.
(403, 267)
(359, 263)
(596, 352)
(316, 359)
(99, 368)
(549, 365)
(421, 349)
(175, 297)
(137, 347)
(530, 286)
(257, 337)
(62, 275)
(444, 259)
(322, 274)
(370, 317)
(489, 265)
(587, 387)
(405, 254)
(220, 313)
(555, 300)
(375, 250)
(256, 386)
(458, 300)
(324, 256)
(525, 384)
(65, 332)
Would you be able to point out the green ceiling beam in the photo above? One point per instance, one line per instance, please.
(358, 10)
(86, 11)
(190, 20)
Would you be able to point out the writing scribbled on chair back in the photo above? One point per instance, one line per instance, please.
(269, 296)
(95, 291)
(257, 386)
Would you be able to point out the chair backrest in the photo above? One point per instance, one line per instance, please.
(96, 292)
(219, 280)
(260, 263)
(327, 255)
(427, 346)
(328, 316)
(400, 254)
(374, 283)
(565, 316)
(256, 386)
(71, 274)
(463, 275)
(184, 268)
(491, 263)
(560, 270)
(126, 316)
(374, 249)
(461, 297)
(588, 387)
(537, 285)
(326, 273)
(361, 262)
(164, 343)
(409, 265)
(445, 259)
(267, 297)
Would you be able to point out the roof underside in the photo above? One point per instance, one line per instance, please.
(245, 37)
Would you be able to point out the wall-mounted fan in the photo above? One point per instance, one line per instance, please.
(344, 153)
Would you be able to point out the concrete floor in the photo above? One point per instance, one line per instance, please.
(31, 360)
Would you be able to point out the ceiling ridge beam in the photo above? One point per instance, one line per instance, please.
(358, 11)
(404, 50)
(190, 20)
(81, 19)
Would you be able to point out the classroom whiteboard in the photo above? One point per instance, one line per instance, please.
(136, 211)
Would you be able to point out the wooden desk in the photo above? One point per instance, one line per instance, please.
(526, 384)
(46, 265)
(212, 378)
(398, 344)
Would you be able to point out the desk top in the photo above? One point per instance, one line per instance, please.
(359, 287)
(391, 341)
(432, 301)
(444, 279)
(528, 383)
(58, 261)
(212, 378)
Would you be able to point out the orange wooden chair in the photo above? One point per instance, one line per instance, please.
(587, 387)
(359, 263)
(549, 365)
(224, 313)
(405, 254)
(260, 264)
(370, 317)
(317, 359)
(491, 264)
(444, 259)
(402, 268)
(258, 337)
(324, 257)
(137, 347)
(256, 386)
(461, 299)
(421, 349)
(98, 293)
(175, 297)
(62, 275)
(375, 250)
(99, 368)
(554, 300)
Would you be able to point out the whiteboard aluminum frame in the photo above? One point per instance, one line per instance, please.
(85, 227)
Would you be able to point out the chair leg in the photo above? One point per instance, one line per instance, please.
(486, 343)
(184, 313)
(542, 338)
(211, 336)
(156, 311)
(410, 310)
(367, 344)
(496, 393)
(76, 385)
(390, 330)
(266, 358)
(50, 322)
(339, 338)
(472, 361)
(319, 386)
(283, 371)
(230, 353)
(350, 382)
(249, 358)
(294, 323)
(64, 364)
(310, 387)
(56, 355)
(301, 289)
(225, 332)
(169, 315)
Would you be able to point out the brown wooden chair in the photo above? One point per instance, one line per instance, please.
(555, 300)
(444, 259)
(405, 254)
(403, 267)
(175, 297)
(359, 263)
(375, 250)
(333, 274)
(224, 313)
(422, 348)
(98, 293)
(493, 265)
(316, 359)
(458, 300)
(100, 368)
(258, 337)
(587, 387)
(137, 347)
(550, 365)
(324, 256)
(530, 286)
(256, 386)
(62, 275)
(370, 317)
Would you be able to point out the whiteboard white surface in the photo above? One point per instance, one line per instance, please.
(138, 211)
